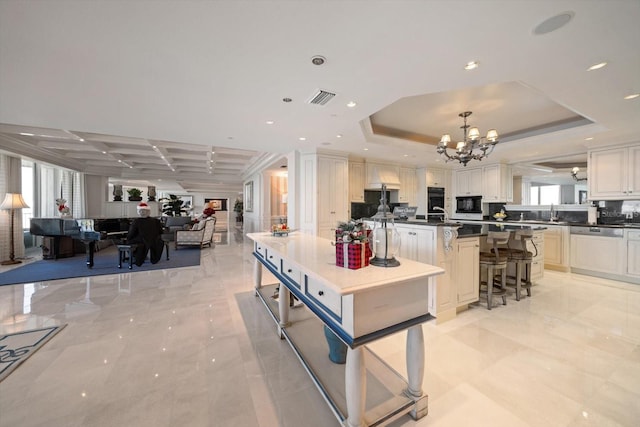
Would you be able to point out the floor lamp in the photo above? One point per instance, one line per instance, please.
(12, 201)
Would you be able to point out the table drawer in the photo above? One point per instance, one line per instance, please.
(329, 300)
(260, 249)
(292, 273)
(273, 259)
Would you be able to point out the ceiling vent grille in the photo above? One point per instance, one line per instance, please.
(321, 97)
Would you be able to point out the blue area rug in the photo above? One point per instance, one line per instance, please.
(105, 262)
(16, 348)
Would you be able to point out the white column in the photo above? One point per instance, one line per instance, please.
(355, 387)
(283, 308)
(415, 370)
(257, 275)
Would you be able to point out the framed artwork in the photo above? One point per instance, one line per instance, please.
(217, 204)
(248, 196)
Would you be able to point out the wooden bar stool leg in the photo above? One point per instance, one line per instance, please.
(518, 280)
(504, 285)
(490, 278)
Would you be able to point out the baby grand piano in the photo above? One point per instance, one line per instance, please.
(88, 231)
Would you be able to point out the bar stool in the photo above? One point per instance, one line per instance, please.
(521, 258)
(494, 263)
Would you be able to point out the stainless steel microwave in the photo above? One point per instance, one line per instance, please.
(469, 204)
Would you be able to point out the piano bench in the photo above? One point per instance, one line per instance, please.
(124, 252)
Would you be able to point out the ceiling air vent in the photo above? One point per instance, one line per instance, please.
(321, 97)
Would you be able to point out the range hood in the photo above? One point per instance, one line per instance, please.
(378, 174)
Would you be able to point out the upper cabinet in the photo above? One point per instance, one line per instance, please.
(497, 182)
(408, 187)
(356, 182)
(468, 182)
(614, 173)
(494, 183)
(437, 178)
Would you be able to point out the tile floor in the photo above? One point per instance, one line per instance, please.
(193, 347)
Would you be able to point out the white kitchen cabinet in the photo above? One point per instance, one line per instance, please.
(408, 187)
(614, 174)
(437, 177)
(556, 247)
(633, 253)
(416, 243)
(332, 195)
(467, 271)
(356, 182)
(468, 182)
(497, 184)
(537, 246)
(598, 253)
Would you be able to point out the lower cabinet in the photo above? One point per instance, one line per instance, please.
(633, 253)
(467, 271)
(538, 249)
(556, 248)
(597, 253)
(416, 243)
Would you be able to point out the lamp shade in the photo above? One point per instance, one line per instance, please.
(13, 201)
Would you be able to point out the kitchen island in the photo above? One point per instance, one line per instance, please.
(358, 306)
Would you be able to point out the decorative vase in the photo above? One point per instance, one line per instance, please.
(337, 349)
(135, 199)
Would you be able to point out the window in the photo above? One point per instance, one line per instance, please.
(28, 190)
(545, 194)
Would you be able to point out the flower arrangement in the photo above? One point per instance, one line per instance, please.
(63, 209)
(352, 231)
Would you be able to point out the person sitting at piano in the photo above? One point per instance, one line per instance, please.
(145, 232)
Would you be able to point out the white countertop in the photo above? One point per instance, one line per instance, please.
(317, 257)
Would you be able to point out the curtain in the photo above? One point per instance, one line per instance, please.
(10, 182)
(78, 200)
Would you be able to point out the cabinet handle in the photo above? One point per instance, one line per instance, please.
(320, 293)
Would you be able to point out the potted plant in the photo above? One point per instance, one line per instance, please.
(173, 206)
(135, 194)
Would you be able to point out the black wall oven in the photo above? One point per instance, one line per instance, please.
(435, 197)
(469, 205)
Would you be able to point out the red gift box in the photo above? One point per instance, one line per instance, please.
(354, 255)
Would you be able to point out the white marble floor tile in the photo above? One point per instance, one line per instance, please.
(194, 347)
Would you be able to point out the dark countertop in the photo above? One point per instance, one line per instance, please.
(468, 228)
(519, 223)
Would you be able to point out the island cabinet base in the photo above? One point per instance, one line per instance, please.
(386, 393)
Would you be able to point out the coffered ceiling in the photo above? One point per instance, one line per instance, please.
(236, 77)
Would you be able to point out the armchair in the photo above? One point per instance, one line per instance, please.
(201, 237)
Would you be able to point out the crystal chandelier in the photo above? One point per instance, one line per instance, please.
(464, 151)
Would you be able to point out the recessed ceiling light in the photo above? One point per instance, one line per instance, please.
(589, 138)
(27, 134)
(366, 149)
(104, 152)
(632, 96)
(471, 65)
(339, 136)
(405, 155)
(119, 161)
(302, 138)
(597, 66)
(554, 23)
(318, 60)
(269, 122)
(351, 104)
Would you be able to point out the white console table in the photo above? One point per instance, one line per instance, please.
(359, 306)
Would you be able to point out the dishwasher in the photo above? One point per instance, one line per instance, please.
(597, 251)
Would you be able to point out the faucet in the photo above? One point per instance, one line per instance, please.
(446, 214)
(552, 214)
